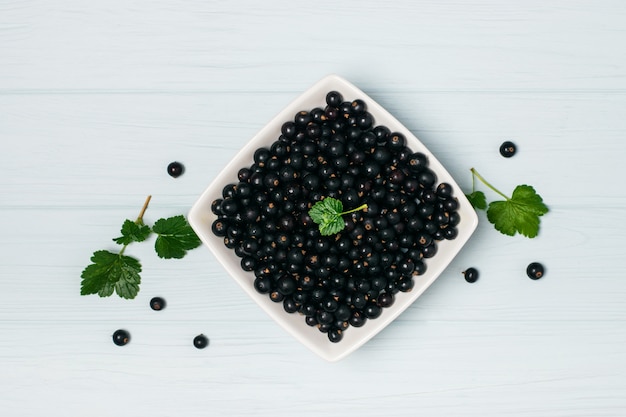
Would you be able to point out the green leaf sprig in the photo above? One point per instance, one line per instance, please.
(115, 272)
(516, 214)
(327, 213)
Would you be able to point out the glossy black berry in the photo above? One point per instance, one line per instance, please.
(508, 149)
(334, 99)
(372, 311)
(535, 270)
(385, 299)
(335, 335)
(396, 141)
(471, 275)
(289, 129)
(358, 106)
(175, 169)
(263, 284)
(157, 303)
(286, 285)
(200, 341)
(121, 337)
(357, 319)
(417, 162)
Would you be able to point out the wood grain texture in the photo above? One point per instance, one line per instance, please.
(97, 98)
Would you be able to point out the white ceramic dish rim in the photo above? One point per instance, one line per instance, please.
(201, 219)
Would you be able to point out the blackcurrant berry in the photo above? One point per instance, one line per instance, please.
(357, 319)
(263, 285)
(417, 162)
(444, 190)
(535, 270)
(335, 335)
(276, 297)
(385, 299)
(201, 341)
(396, 141)
(121, 337)
(406, 284)
(334, 99)
(289, 305)
(157, 303)
(471, 275)
(508, 149)
(372, 311)
(286, 284)
(219, 227)
(289, 130)
(303, 118)
(358, 106)
(175, 169)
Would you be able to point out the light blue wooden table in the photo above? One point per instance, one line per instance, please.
(96, 98)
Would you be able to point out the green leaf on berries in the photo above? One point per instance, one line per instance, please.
(327, 214)
(477, 199)
(519, 214)
(111, 272)
(175, 237)
(132, 232)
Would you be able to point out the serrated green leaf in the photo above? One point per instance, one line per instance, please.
(132, 232)
(527, 196)
(332, 227)
(327, 214)
(111, 272)
(175, 237)
(326, 210)
(519, 214)
(477, 199)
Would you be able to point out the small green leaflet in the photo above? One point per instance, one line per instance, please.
(477, 199)
(132, 232)
(175, 238)
(327, 214)
(111, 272)
(519, 214)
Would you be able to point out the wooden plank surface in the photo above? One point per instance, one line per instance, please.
(97, 98)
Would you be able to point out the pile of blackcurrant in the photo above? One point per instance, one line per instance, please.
(345, 279)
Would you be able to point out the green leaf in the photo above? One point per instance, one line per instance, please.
(327, 214)
(175, 237)
(111, 272)
(132, 232)
(477, 199)
(519, 214)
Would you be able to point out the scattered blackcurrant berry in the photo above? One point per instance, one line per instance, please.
(535, 270)
(175, 169)
(471, 275)
(157, 303)
(121, 337)
(201, 341)
(507, 149)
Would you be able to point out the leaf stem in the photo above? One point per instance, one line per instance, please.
(484, 181)
(143, 210)
(139, 221)
(473, 181)
(361, 207)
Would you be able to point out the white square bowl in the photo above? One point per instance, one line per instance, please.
(201, 219)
